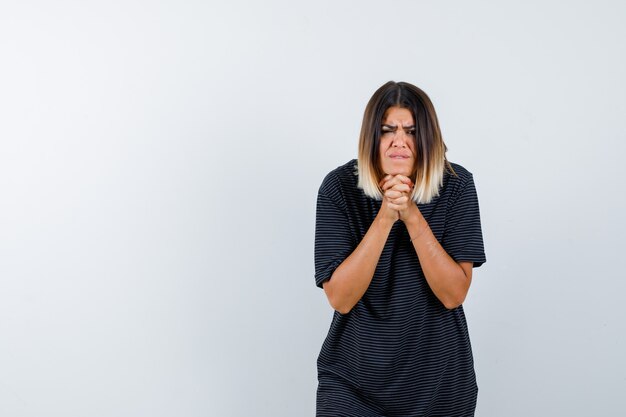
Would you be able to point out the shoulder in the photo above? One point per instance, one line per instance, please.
(340, 179)
(457, 181)
(462, 173)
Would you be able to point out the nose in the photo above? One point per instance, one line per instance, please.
(399, 139)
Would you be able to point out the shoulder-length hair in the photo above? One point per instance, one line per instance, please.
(430, 161)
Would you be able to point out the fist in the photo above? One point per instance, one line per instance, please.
(397, 191)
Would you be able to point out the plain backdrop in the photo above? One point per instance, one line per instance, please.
(159, 167)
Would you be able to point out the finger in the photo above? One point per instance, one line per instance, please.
(400, 201)
(384, 180)
(404, 179)
(386, 185)
(403, 188)
(397, 207)
(390, 181)
(392, 194)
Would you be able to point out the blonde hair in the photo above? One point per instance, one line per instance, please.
(431, 161)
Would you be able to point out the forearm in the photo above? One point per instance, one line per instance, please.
(444, 275)
(352, 278)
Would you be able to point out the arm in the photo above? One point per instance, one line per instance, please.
(352, 277)
(448, 279)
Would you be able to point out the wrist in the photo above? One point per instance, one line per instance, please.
(384, 221)
(415, 223)
(411, 216)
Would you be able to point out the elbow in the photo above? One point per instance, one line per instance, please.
(340, 307)
(343, 309)
(339, 304)
(455, 297)
(453, 302)
(451, 305)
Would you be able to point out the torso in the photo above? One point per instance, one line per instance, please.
(399, 341)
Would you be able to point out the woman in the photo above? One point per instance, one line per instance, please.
(397, 235)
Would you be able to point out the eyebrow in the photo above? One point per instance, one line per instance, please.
(392, 127)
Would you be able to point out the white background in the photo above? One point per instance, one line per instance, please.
(159, 165)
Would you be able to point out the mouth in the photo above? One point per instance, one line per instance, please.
(399, 156)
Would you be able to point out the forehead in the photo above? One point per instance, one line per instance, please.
(398, 116)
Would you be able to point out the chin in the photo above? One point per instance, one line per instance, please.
(391, 170)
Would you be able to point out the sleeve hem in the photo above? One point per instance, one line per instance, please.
(477, 260)
(325, 274)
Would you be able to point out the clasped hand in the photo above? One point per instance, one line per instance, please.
(397, 201)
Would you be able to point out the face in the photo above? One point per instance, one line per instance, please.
(397, 142)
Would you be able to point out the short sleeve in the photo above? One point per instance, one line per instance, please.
(462, 237)
(333, 239)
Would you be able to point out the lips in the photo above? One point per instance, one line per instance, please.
(399, 156)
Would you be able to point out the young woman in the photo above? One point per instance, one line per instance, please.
(397, 235)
